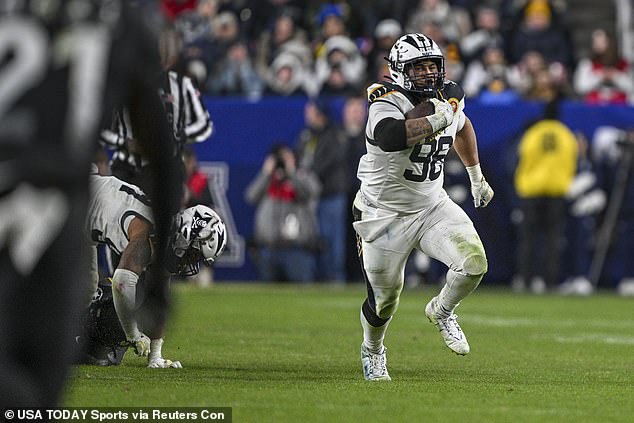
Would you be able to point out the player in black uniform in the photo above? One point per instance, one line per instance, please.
(62, 64)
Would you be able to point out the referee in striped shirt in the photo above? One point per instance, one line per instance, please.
(186, 113)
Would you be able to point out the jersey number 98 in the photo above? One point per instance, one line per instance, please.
(432, 160)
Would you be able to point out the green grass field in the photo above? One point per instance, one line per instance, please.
(280, 353)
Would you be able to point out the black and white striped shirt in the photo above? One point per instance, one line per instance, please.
(185, 111)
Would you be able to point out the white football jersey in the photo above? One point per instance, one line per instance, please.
(409, 180)
(113, 204)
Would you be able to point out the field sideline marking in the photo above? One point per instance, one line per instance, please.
(595, 337)
(510, 322)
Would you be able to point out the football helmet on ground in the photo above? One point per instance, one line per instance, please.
(102, 340)
(200, 236)
(406, 54)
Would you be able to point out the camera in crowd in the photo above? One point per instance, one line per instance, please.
(279, 161)
(284, 157)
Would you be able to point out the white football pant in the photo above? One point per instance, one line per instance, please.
(443, 232)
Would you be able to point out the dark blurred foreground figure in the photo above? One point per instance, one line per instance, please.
(64, 63)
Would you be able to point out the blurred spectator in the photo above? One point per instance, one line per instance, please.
(498, 91)
(354, 116)
(196, 182)
(537, 31)
(522, 74)
(322, 148)
(212, 48)
(236, 76)
(336, 83)
(172, 8)
(197, 23)
(454, 65)
(286, 76)
(605, 76)
(488, 73)
(386, 33)
(360, 20)
(261, 15)
(486, 34)
(331, 19)
(543, 87)
(197, 30)
(285, 229)
(341, 69)
(546, 168)
(226, 29)
(455, 21)
(379, 10)
(283, 37)
(511, 13)
(613, 154)
(586, 200)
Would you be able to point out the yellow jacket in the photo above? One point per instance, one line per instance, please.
(547, 160)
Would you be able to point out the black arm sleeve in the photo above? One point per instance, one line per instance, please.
(389, 135)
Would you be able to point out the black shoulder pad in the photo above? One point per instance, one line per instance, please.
(380, 92)
(452, 90)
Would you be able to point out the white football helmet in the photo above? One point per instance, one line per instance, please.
(405, 53)
(200, 236)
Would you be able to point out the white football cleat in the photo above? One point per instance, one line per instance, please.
(625, 288)
(576, 286)
(538, 286)
(141, 345)
(163, 363)
(449, 328)
(374, 365)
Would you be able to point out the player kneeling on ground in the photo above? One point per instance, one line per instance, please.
(120, 217)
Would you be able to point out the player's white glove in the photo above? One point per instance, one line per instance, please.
(443, 116)
(480, 188)
(141, 345)
(163, 363)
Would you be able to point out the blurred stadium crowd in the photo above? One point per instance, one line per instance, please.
(499, 50)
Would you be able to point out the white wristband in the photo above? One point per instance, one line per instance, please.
(475, 173)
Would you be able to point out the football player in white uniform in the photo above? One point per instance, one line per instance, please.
(401, 205)
(120, 216)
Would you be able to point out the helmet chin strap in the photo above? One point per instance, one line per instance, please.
(427, 91)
